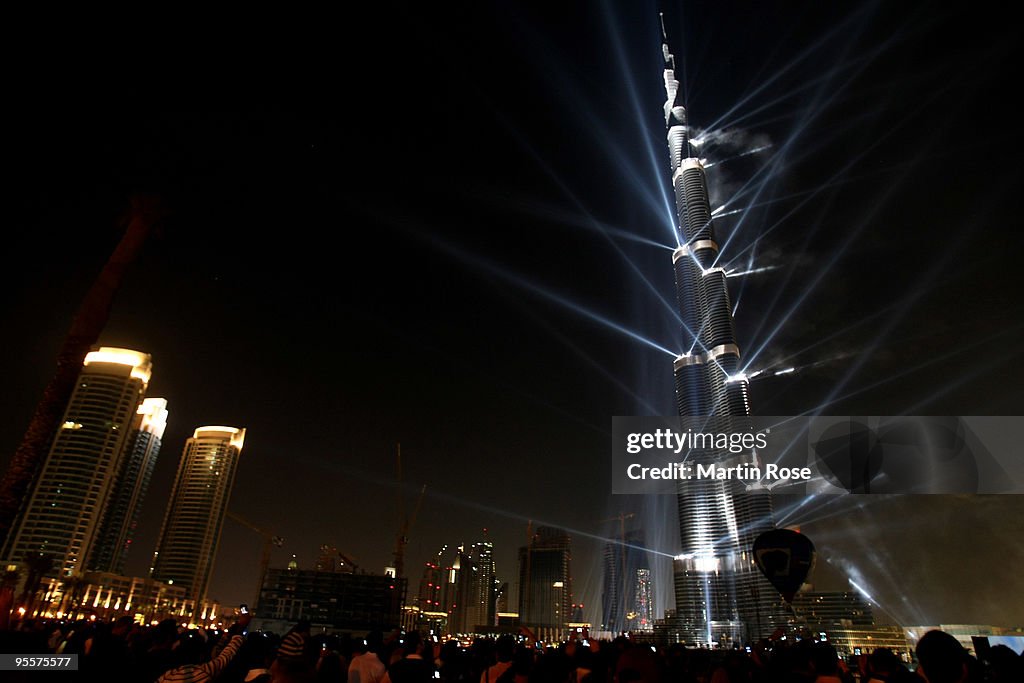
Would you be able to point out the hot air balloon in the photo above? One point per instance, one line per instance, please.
(785, 557)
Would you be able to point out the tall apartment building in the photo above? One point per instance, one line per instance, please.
(66, 512)
(117, 532)
(545, 583)
(195, 514)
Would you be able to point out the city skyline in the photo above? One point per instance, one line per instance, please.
(406, 266)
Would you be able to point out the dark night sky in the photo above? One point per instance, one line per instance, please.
(343, 266)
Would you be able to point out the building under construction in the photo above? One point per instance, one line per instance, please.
(336, 601)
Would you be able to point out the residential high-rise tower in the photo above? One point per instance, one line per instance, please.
(63, 513)
(195, 513)
(474, 611)
(545, 583)
(117, 532)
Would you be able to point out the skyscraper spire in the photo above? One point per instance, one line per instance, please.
(718, 589)
(670, 60)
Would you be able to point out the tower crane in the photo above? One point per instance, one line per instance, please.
(270, 541)
(405, 522)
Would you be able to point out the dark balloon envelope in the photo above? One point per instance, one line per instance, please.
(785, 557)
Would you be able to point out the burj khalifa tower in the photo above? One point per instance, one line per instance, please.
(720, 594)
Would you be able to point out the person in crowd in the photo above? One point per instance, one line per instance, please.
(330, 668)
(252, 665)
(294, 661)
(941, 658)
(883, 666)
(414, 667)
(503, 649)
(107, 650)
(366, 666)
(825, 662)
(1004, 664)
(193, 665)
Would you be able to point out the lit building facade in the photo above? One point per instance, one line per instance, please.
(117, 532)
(641, 617)
(428, 597)
(64, 512)
(480, 592)
(545, 584)
(195, 513)
(846, 620)
(110, 596)
(720, 594)
(626, 599)
(832, 608)
(335, 600)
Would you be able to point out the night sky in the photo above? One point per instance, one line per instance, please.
(391, 236)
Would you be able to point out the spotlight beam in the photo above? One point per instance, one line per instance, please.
(481, 264)
(763, 84)
(845, 245)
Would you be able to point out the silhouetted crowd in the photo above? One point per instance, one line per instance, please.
(167, 653)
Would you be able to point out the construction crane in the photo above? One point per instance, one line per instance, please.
(347, 562)
(333, 560)
(270, 541)
(405, 522)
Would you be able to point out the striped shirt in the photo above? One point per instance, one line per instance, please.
(207, 671)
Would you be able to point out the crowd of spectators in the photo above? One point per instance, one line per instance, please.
(168, 653)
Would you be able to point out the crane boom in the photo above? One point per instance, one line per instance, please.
(270, 540)
(405, 522)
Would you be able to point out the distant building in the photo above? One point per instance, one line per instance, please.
(501, 597)
(835, 608)
(545, 584)
(62, 515)
(483, 592)
(428, 596)
(117, 532)
(330, 559)
(846, 619)
(110, 596)
(627, 598)
(334, 600)
(474, 610)
(640, 618)
(195, 514)
(327, 560)
(857, 640)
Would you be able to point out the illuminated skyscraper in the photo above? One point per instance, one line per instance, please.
(64, 511)
(718, 589)
(626, 596)
(545, 583)
(428, 597)
(470, 594)
(641, 618)
(195, 513)
(117, 532)
(478, 576)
